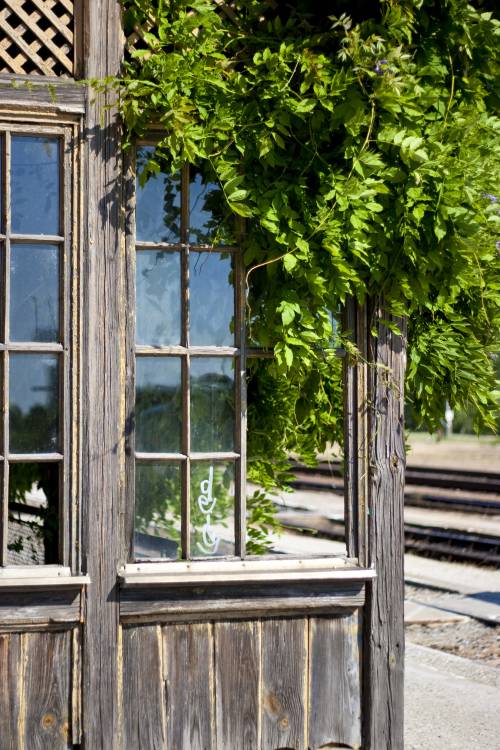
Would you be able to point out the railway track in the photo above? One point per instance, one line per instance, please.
(425, 488)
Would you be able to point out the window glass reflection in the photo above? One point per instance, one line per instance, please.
(158, 405)
(210, 220)
(211, 298)
(157, 511)
(35, 186)
(212, 404)
(158, 203)
(158, 293)
(34, 403)
(33, 526)
(34, 292)
(212, 509)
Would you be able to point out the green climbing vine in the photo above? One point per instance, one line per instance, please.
(361, 145)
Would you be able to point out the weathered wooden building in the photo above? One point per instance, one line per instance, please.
(105, 642)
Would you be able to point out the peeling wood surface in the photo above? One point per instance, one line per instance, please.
(39, 607)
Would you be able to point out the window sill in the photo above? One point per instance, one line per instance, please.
(265, 571)
(46, 577)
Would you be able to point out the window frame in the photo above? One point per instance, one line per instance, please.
(240, 567)
(237, 352)
(67, 129)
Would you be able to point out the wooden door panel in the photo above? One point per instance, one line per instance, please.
(143, 688)
(190, 680)
(284, 683)
(335, 683)
(36, 691)
(266, 684)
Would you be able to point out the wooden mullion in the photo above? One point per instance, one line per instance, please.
(240, 411)
(34, 347)
(18, 458)
(39, 239)
(195, 351)
(130, 357)
(186, 389)
(5, 370)
(65, 413)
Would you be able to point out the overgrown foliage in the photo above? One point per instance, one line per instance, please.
(363, 151)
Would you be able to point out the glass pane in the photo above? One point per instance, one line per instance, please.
(33, 514)
(35, 184)
(212, 509)
(210, 219)
(34, 403)
(34, 292)
(158, 405)
(212, 404)
(158, 292)
(158, 203)
(211, 295)
(157, 511)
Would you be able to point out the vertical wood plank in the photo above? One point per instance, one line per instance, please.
(284, 676)
(10, 690)
(335, 682)
(383, 708)
(47, 691)
(143, 693)
(237, 685)
(190, 686)
(103, 374)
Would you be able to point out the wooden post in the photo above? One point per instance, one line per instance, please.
(102, 380)
(384, 621)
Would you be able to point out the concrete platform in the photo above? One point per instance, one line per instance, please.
(450, 703)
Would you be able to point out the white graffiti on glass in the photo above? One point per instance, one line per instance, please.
(206, 503)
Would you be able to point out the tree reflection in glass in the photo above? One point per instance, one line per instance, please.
(158, 200)
(211, 312)
(34, 403)
(158, 404)
(210, 220)
(35, 189)
(34, 292)
(157, 510)
(33, 530)
(212, 404)
(158, 291)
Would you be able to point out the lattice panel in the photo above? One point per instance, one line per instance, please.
(36, 36)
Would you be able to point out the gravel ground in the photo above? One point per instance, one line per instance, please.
(470, 639)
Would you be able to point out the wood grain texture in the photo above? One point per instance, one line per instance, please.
(143, 693)
(103, 371)
(384, 633)
(190, 686)
(220, 602)
(237, 685)
(47, 691)
(39, 607)
(335, 683)
(284, 673)
(11, 682)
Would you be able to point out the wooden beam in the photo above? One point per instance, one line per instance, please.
(384, 630)
(103, 372)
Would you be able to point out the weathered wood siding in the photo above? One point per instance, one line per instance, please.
(260, 684)
(39, 690)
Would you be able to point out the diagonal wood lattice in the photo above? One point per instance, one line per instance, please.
(36, 36)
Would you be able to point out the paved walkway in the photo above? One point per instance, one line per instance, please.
(450, 703)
